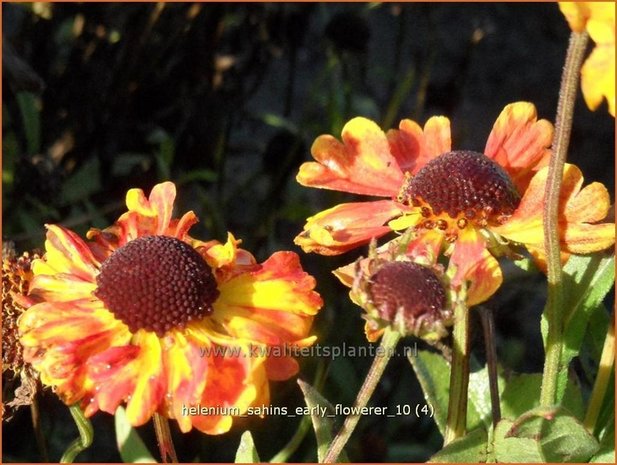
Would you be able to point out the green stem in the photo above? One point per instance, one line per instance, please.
(607, 360)
(459, 374)
(163, 436)
(86, 434)
(561, 139)
(388, 343)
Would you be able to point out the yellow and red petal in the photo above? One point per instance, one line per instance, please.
(414, 147)
(346, 226)
(361, 164)
(519, 142)
(59, 338)
(67, 253)
(260, 305)
(133, 374)
(185, 371)
(579, 210)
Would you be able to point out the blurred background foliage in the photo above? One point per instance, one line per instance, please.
(225, 100)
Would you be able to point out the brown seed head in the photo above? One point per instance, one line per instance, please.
(463, 183)
(410, 290)
(157, 283)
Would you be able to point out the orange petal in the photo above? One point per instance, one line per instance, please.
(519, 142)
(346, 226)
(413, 147)
(230, 382)
(281, 368)
(577, 209)
(361, 164)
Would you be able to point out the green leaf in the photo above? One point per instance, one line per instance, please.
(544, 435)
(471, 448)
(433, 373)
(83, 183)
(247, 453)
(606, 453)
(30, 115)
(130, 446)
(522, 393)
(125, 162)
(479, 409)
(514, 449)
(322, 424)
(587, 280)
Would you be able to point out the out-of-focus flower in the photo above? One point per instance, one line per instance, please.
(16, 278)
(145, 314)
(598, 71)
(472, 204)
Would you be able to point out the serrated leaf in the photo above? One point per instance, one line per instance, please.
(247, 453)
(544, 435)
(130, 446)
(322, 424)
(471, 448)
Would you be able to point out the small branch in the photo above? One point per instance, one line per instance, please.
(385, 351)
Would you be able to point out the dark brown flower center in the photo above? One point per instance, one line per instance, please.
(407, 289)
(465, 186)
(156, 283)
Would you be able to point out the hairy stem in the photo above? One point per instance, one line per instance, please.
(561, 139)
(388, 343)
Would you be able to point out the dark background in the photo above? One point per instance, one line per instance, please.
(225, 100)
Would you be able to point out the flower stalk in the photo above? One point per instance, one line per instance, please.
(561, 139)
(86, 434)
(459, 375)
(388, 344)
(163, 437)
